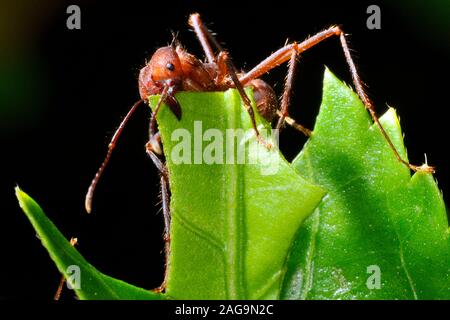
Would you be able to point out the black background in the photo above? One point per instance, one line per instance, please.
(65, 91)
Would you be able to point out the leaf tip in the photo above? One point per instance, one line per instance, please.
(20, 195)
(26, 203)
(390, 118)
(331, 81)
(329, 76)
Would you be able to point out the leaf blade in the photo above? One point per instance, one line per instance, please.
(94, 284)
(229, 238)
(359, 222)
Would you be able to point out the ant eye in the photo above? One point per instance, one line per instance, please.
(170, 66)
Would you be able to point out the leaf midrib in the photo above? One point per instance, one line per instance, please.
(234, 255)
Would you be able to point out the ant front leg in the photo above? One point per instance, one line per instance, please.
(224, 67)
(150, 147)
(166, 96)
(285, 53)
(204, 36)
(153, 149)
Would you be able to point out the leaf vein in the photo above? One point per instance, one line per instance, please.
(408, 276)
(310, 256)
(213, 241)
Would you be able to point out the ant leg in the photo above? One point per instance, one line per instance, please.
(369, 105)
(154, 140)
(152, 127)
(73, 242)
(165, 178)
(231, 71)
(204, 36)
(286, 100)
(295, 125)
(165, 199)
(284, 54)
(222, 70)
(224, 66)
(152, 148)
(287, 93)
(111, 146)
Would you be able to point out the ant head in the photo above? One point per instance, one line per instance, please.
(164, 68)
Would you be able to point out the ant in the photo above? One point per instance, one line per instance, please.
(172, 69)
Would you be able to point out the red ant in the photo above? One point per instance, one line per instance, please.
(172, 69)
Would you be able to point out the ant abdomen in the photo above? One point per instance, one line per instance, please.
(265, 99)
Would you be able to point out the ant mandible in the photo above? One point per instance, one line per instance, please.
(172, 69)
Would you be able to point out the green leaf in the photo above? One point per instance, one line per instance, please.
(232, 224)
(93, 284)
(374, 214)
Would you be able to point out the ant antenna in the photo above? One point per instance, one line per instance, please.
(111, 146)
(175, 42)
